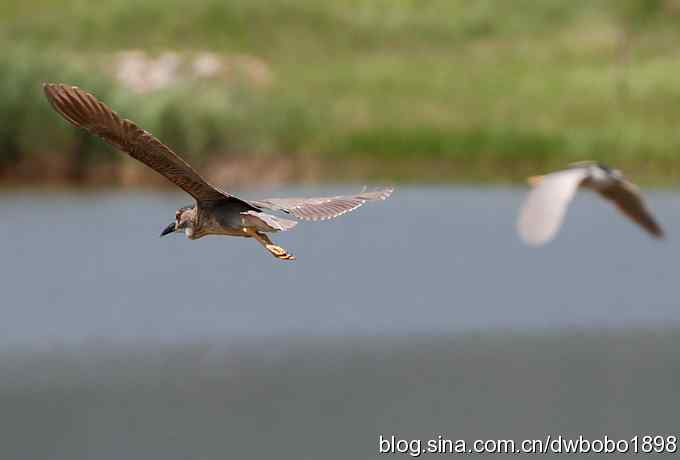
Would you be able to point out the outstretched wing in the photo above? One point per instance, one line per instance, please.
(321, 208)
(83, 110)
(544, 209)
(627, 198)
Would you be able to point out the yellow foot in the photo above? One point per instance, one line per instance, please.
(535, 180)
(279, 252)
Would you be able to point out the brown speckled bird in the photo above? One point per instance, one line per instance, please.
(542, 214)
(215, 212)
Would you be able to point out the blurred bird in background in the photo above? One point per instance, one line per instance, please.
(543, 211)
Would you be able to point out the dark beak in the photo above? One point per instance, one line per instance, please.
(169, 229)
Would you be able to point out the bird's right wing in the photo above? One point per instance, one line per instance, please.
(83, 110)
(628, 199)
(321, 208)
(544, 209)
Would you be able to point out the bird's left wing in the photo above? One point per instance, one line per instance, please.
(628, 199)
(83, 110)
(321, 208)
(543, 212)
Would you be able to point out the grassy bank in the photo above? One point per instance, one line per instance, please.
(436, 89)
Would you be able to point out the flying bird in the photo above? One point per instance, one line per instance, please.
(215, 212)
(544, 209)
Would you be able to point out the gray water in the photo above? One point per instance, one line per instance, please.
(417, 316)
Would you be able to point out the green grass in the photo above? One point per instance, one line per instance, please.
(493, 88)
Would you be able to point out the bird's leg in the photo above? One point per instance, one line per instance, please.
(276, 251)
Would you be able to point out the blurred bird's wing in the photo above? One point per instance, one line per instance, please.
(628, 199)
(543, 211)
(83, 110)
(321, 208)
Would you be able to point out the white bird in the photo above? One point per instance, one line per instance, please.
(543, 211)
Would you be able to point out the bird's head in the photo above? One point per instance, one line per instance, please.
(599, 171)
(611, 172)
(184, 220)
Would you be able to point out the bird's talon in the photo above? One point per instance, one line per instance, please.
(279, 252)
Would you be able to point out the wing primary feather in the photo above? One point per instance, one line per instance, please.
(628, 200)
(322, 208)
(84, 110)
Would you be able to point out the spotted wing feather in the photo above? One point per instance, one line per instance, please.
(322, 208)
(83, 110)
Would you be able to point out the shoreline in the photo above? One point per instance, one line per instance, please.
(267, 170)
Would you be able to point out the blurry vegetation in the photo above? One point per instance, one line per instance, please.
(507, 86)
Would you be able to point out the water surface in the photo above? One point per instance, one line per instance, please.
(422, 314)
